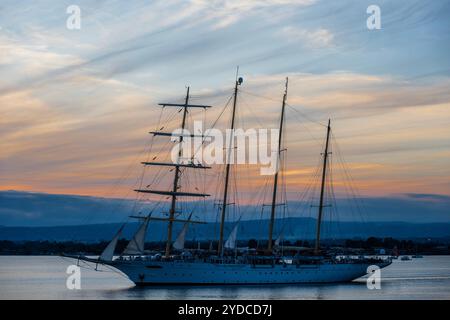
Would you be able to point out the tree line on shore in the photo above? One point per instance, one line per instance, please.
(371, 245)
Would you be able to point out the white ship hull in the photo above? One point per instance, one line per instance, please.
(206, 273)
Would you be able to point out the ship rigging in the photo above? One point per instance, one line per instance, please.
(225, 263)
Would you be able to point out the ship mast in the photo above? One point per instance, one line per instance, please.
(275, 179)
(227, 168)
(175, 193)
(322, 191)
(175, 180)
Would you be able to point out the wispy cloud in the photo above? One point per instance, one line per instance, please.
(76, 106)
(316, 39)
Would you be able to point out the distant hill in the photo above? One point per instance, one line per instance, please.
(40, 216)
(295, 229)
(31, 209)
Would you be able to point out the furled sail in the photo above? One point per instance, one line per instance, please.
(179, 243)
(277, 241)
(280, 237)
(136, 244)
(108, 253)
(231, 241)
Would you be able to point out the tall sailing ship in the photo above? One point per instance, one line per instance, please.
(226, 263)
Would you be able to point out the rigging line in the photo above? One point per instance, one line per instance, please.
(328, 197)
(318, 141)
(182, 171)
(282, 195)
(254, 196)
(169, 119)
(304, 115)
(218, 186)
(204, 177)
(147, 159)
(360, 207)
(194, 204)
(214, 124)
(114, 270)
(347, 173)
(335, 206)
(152, 139)
(234, 192)
(157, 177)
(310, 196)
(220, 173)
(141, 181)
(160, 170)
(263, 196)
(259, 196)
(303, 199)
(163, 147)
(284, 198)
(249, 108)
(223, 110)
(147, 200)
(312, 181)
(198, 178)
(157, 127)
(259, 95)
(237, 209)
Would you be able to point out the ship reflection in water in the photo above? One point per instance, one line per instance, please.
(44, 277)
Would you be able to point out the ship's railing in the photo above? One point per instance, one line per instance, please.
(258, 260)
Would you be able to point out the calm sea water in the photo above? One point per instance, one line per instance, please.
(44, 277)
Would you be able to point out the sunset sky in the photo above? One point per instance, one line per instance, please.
(76, 105)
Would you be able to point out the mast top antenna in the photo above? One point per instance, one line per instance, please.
(239, 80)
